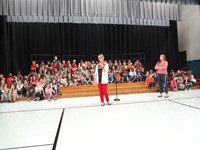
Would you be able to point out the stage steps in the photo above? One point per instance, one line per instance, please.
(123, 88)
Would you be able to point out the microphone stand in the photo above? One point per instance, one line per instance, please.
(116, 99)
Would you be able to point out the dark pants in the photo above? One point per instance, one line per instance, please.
(40, 95)
(152, 84)
(162, 82)
(188, 86)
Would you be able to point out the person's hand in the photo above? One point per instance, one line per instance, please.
(104, 70)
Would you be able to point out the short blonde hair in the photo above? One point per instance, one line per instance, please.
(100, 56)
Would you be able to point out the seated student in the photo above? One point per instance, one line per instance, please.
(179, 73)
(12, 94)
(76, 78)
(1, 77)
(111, 78)
(54, 87)
(19, 75)
(63, 65)
(49, 77)
(33, 66)
(25, 88)
(143, 74)
(33, 80)
(81, 79)
(10, 79)
(63, 81)
(69, 80)
(172, 74)
(124, 74)
(20, 86)
(150, 81)
(54, 66)
(37, 68)
(192, 80)
(49, 93)
(88, 79)
(187, 83)
(138, 75)
(43, 81)
(56, 60)
(147, 73)
(39, 92)
(129, 64)
(1, 86)
(132, 75)
(93, 78)
(173, 84)
(4, 95)
(42, 69)
(180, 83)
(74, 65)
(30, 91)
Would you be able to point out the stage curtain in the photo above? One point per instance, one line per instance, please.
(139, 12)
(20, 40)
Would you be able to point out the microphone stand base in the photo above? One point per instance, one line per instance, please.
(116, 99)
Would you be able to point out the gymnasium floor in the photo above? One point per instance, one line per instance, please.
(137, 122)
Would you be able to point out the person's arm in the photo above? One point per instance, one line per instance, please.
(157, 66)
(90, 80)
(22, 85)
(146, 83)
(42, 90)
(36, 89)
(50, 92)
(6, 91)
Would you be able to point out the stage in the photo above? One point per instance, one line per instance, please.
(138, 121)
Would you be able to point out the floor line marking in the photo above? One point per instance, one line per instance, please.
(22, 147)
(89, 106)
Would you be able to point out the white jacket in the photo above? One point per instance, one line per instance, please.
(104, 79)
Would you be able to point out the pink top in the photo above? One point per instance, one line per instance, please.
(161, 67)
(173, 84)
(48, 91)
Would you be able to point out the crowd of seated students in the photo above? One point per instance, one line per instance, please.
(31, 85)
(181, 80)
(45, 78)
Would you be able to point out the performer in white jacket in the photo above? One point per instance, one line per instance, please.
(101, 73)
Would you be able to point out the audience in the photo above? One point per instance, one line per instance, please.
(45, 78)
(150, 81)
(173, 84)
(12, 93)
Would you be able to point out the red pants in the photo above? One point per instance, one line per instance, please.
(103, 92)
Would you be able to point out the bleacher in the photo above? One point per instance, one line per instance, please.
(123, 88)
(92, 90)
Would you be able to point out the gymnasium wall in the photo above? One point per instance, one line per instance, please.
(189, 36)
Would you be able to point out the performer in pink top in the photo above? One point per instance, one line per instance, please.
(162, 75)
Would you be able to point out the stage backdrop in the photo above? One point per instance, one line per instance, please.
(19, 40)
